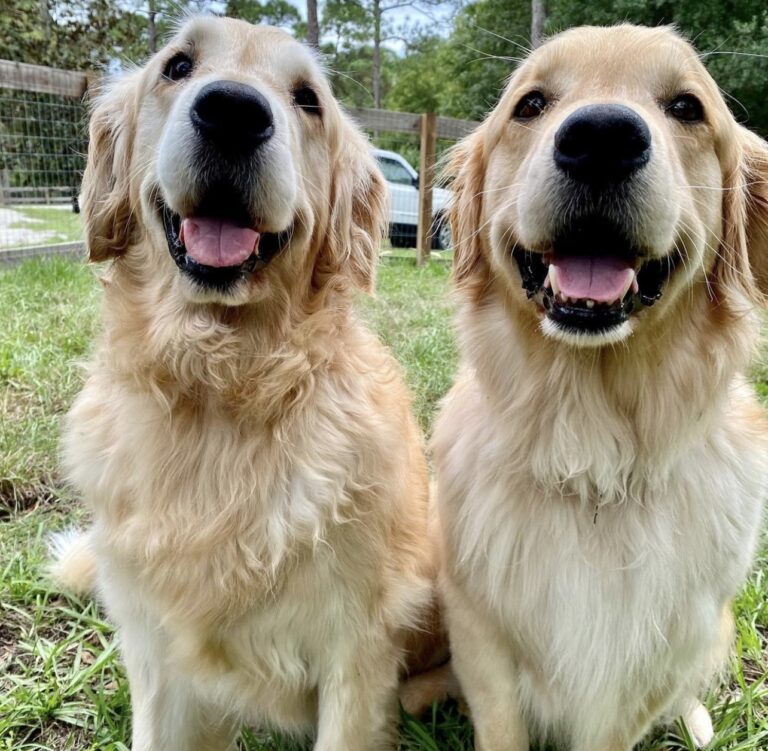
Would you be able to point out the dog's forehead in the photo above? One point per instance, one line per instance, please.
(231, 43)
(620, 57)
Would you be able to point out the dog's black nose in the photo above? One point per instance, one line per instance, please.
(235, 116)
(602, 143)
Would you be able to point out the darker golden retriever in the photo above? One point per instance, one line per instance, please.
(246, 446)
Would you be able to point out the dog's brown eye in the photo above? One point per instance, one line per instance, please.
(178, 67)
(305, 98)
(530, 106)
(686, 108)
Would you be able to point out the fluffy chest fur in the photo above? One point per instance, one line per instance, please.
(603, 540)
(253, 535)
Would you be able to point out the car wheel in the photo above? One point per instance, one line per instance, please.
(441, 234)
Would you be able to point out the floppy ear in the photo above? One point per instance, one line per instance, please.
(106, 205)
(745, 211)
(756, 186)
(467, 166)
(358, 211)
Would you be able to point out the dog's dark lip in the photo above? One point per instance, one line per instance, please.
(651, 276)
(221, 278)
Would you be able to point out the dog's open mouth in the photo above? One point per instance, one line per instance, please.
(219, 250)
(590, 286)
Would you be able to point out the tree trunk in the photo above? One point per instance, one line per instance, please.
(45, 19)
(152, 28)
(313, 31)
(377, 54)
(538, 17)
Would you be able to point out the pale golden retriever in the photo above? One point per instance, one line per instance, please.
(257, 482)
(601, 460)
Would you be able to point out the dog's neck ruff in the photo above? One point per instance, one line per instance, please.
(607, 425)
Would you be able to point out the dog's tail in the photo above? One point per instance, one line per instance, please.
(428, 676)
(418, 693)
(73, 564)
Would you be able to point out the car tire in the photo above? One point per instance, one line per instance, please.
(441, 233)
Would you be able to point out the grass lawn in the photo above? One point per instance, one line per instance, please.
(61, 684)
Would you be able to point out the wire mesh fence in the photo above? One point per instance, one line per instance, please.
(42, 147)
(43, 133)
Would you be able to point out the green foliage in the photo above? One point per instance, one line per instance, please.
(42, 138)
(488, 38)
(351, 76)
(273, 12)
(71, 34)
(463, 74)
(417, 80)
(48, 309)
(349, 53)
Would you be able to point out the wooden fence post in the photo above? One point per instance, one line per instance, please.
(426, 177)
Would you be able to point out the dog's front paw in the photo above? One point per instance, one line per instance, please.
(699, 725)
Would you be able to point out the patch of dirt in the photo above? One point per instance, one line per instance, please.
(13, 235)
(16, 499)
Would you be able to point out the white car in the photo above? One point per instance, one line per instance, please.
(404, 203)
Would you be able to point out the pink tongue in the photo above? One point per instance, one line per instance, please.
(600, 278)
(213, 242)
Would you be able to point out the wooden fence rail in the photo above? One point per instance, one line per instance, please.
(37, 78)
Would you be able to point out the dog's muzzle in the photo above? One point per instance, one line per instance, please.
(217, 253)
(220, 241)
(593, 278)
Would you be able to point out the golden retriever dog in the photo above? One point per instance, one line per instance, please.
(257, 482)
(601, 460)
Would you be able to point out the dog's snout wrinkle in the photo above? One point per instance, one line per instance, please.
(602, 143)
(234, 116)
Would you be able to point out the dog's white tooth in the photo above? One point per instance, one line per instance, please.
(627, 283)
(590, 304)
(547, 283)
(635, 286)
(552, 276)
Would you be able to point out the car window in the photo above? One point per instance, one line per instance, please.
(394, 172)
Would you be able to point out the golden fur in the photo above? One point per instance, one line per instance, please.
(600, 505)
(257, 481)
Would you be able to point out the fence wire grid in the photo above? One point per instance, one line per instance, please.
(43, 143)
(42, 157)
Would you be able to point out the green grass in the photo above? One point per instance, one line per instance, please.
(62, 224)
(48, 312)
(61, 683)
(411, 312)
